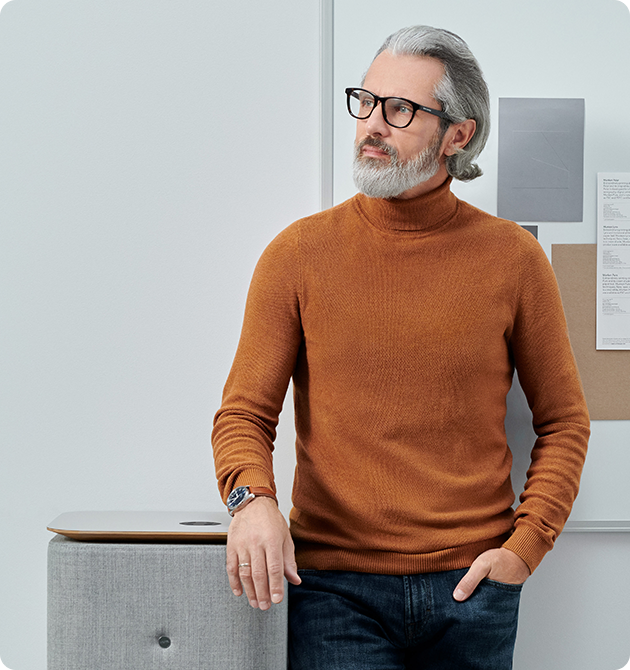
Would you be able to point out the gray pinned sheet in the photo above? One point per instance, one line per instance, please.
(541, 159)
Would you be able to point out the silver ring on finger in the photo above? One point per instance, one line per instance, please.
(244, 565)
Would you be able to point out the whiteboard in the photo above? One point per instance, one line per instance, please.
(539, 49)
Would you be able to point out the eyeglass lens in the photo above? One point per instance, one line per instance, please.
(398, 112)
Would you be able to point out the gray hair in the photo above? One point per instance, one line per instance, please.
(462, 92)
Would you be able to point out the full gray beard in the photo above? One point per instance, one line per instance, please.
(377, 180)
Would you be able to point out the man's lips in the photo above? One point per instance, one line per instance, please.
(373, 152)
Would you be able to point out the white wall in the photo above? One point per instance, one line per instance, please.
(149, 150)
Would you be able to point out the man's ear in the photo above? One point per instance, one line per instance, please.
(458, 135)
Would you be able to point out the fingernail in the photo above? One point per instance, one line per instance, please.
(459, 594)
(276, 598)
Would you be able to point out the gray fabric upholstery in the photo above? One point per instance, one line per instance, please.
(109, 604)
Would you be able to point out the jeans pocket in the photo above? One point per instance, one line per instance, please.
(504, 586)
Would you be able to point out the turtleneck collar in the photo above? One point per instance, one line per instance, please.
(420, 215)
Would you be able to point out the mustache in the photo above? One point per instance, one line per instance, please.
(379, 144)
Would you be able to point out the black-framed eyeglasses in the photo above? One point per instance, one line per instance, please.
(397, 112)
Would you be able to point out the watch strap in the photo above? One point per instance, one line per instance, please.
(262, 491)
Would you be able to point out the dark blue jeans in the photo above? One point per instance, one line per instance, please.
(357, 621)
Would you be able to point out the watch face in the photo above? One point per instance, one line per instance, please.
(237, 496)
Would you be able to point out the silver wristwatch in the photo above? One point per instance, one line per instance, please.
(243, 495)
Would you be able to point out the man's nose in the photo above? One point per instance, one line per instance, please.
(375, 124)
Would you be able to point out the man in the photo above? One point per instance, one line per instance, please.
(401, 315)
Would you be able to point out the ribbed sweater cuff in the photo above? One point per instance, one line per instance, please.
(530, 544)
(254, 477)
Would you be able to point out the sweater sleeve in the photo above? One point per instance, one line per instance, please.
(245, 425)
(549, 377)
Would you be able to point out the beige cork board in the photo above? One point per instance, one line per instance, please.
(605, 374)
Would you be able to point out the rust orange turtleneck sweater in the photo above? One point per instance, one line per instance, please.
(401, 322)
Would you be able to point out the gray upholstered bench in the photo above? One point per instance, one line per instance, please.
(146, 606)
